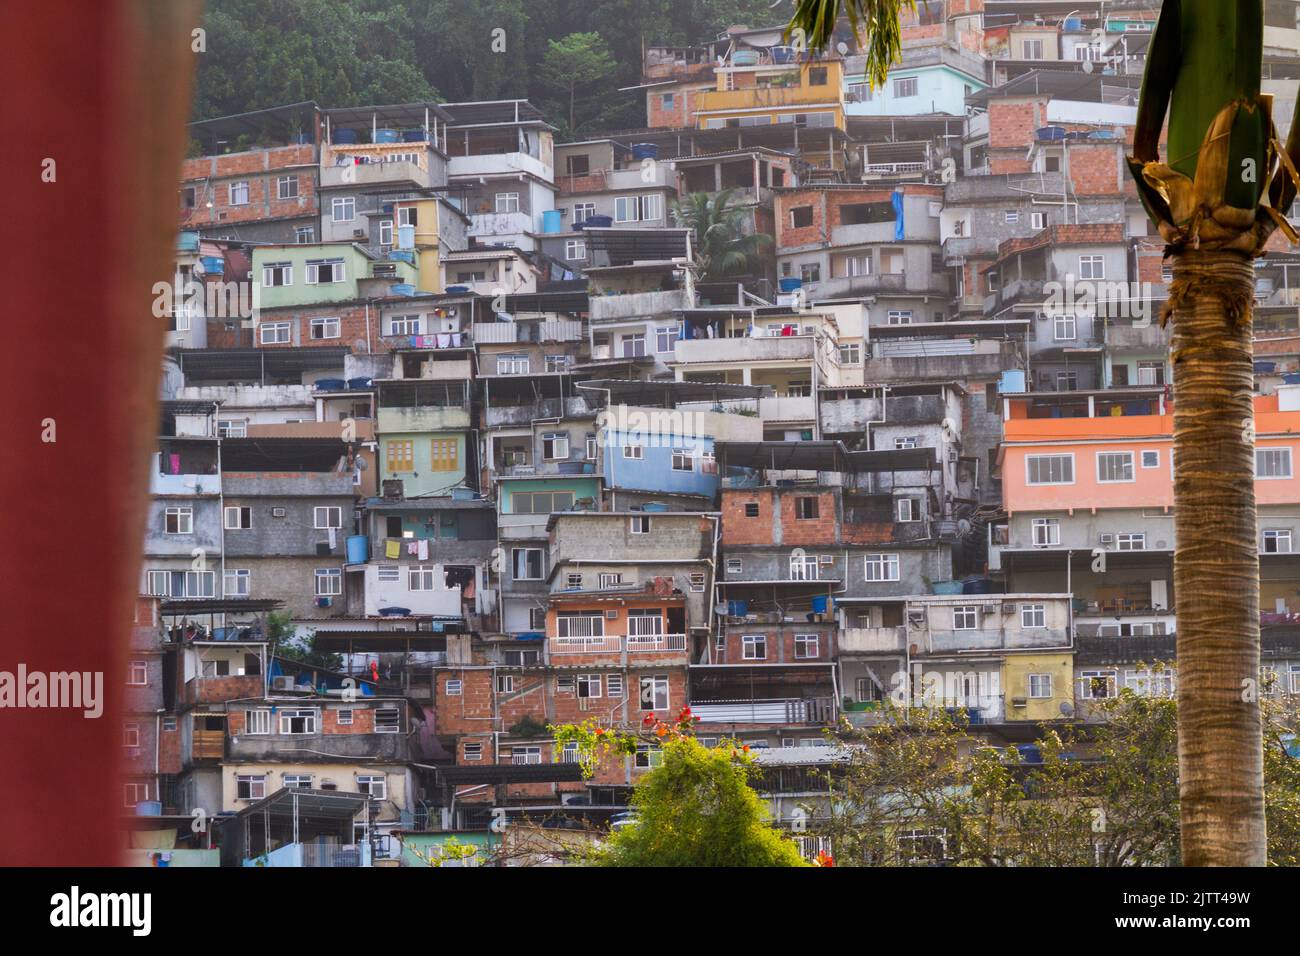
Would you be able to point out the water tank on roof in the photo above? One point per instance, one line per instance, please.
(1073, 24)
(344, 137)
(417, 135)
(386, 136)
(358, 549)
(1050, 132)
(744, 58)
(552, 221)
(783, 54)
(642, 151)
(790, 283)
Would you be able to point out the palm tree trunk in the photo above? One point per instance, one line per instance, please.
(1216, 564)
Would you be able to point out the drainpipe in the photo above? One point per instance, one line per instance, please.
(713, 591)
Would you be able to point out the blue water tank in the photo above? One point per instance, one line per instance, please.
(601, 222)
(744, 58)
(213, 265)
(552, 221)
(819, 603)
(790, 283)
(387, 136)
(344, 137)
(456, 289)
(148, 808)
(642, 151)
(188, 242)
(782, 54)
(417, 135)
(403, 288)
(976, 585)
(358, 548)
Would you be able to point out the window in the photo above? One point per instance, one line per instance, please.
(525, 755)
(238, 518)
(473, 751)
(286, 187)
(304, 235)
(277, 274)
(250, 786)
(329, 581)
(555, 446)
(1064, 328)
(803, 567)
(1272, 463)
(881, 567)
(301, 781)
(1130, 542)
(1032, 49)
(343, 209)
(898, 317)
(1033, 615)
(806, 508)
(639, 524)
(507, 202)
(444, 454)
(257, 721)
(1011, 216)
(374, 784)
(137, 673)
(683, 459)
(591, 450)
(633, 345)
(1038, 220)
(388, 720)
(1114, 466)
(583, 211)
(817, 76)
(751, 509)
(805, 646)
(325, 271)
(575, 249)
(637, 208)
(1150, 373)
(753, 647)
(527, 563)
(326, 327)
(231, 428)
(906, 441)
(801, 217)
(297, 721)
(274, 333)
(328, 517)
(666, 337)
(239, 193)
(505, 684)
(179, 521)
(512, 365)
(965, 617)
(614, 686)
(343, 717)
(610, 579)
(1096, 685)
(654, 692)
(455, 688)
(634, 452)
(1092, 267)
(905, 86)
(851, 354)
(1049, 469)
(1277, 541)
(421, 577)
(131, 735)
(589, 685)
(1040, 686)
(666, 101)
(734, 566)
(385, 232)
(907, 509)
(1046, 532)
(810, 272)
(237, 582)
(648, 756)
(1150, 459)
(399, 455)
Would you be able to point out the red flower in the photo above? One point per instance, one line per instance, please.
(825, 859)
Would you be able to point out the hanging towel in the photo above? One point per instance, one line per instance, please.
(174, 462)
(334, 538)
(424, 549)
(411, 548)
(392, 549)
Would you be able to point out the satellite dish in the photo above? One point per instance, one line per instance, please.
(963, 525)
(1067, 708)
(842, 48)
(1087, 66)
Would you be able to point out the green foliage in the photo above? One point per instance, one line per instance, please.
(579, 61)
(875, 20)
(697, 809)
(720, 244)
(286, 645)
(528, 726)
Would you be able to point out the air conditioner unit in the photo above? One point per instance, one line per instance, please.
(278, 512)
(358, 234)
(611, 615)
(1019, 701)
(282, 682)
(1008, 609)
(826, 559)
(1107, 541)
(990, 609)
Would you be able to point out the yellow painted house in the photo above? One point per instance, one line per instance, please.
(808, 93)
(1036, 684)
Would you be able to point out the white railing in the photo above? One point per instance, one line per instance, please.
(614, 643)
(655, 642)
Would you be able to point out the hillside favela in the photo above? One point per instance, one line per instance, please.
(720, 408)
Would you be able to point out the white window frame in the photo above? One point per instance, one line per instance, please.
(256, 784)
(753, 647)
(1092, 267)
(239, 513)
(257, 722)
(638, 524)
(1155, 459)
(1277, 536)
(1030, 459)
(184, 520)
(327, 516)
(329, 326)
(309, 716)
(1284, 458)
(329, 578)
(1126, 463)
(1033, 616)
(375, 784)
(343, 209)
(274, 333)
(1051, 532)
(807, 647)
(886, 566)
(1039, 686)
(239, 188)
(137, 669)
(965, 617)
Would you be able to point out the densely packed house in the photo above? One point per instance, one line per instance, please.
(464, 433)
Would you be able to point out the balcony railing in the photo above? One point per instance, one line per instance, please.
(812, 710)
(616, 643)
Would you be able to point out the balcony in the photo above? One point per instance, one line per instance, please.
(772, 348)
(1135, 338)
(774, 97)
(1014, 292)
(489, 224)
(208, 745)
(495, 333)
(812, 710)
(873, 640)
(374, 174)
(315, 855)
(498, 164)
(863, 233)
(636, 305)
(376, 747)
(787, 408)
(422, 419)
(287, 484)
(184, 485)
(521, 415)
(951, 641)
(617, 644)
(216, 690)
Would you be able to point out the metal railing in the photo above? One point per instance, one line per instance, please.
(615, 643)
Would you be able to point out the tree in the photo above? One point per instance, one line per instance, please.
(720, 245)
(695, 808)
(578, 61)
(1216, 203)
